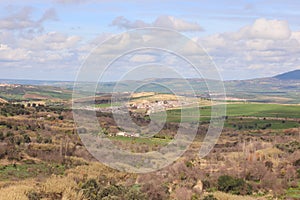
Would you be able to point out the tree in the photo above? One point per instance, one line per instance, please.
(233, 185)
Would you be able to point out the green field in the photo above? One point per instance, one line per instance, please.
(107, 105)
(294, 192)
(248, 109)
(22, 171)
(140, 140)
(264, 110)
(54, 94)
(245, 115)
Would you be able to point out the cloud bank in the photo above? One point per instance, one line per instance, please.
(163, 21)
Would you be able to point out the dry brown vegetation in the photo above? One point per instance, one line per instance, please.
(42, 157)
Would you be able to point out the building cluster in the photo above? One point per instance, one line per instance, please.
(156, 106)
(126, 134)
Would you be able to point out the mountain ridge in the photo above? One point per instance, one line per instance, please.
(291, 75)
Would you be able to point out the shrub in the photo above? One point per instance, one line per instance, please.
(233, 185)
(111, 191)
(189, 164)
(26, 138)
(90, 189)
(297, 163)
(39, 139)
(206, 184)
(9, 134)
(18, 140)
(210, 197)
(32, 195)
(1, 136)
(134, 194)
(47, 140)
(94, 190)
(2, 152)
(290, 147)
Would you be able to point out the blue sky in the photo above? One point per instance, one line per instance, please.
(50, 39)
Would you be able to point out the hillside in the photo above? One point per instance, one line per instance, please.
(18, 93)
(292, 75)
(263, 90)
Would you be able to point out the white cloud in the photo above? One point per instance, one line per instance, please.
(296, 36)
(143, 58)
(21, 19)
(162, 21)
(8, 54)
(264, 48)
(266, 29)
(213, 41)
(176, 24)
(25, 45)
(122, 22)
(50, 41)
(258, 44)
(70, 1)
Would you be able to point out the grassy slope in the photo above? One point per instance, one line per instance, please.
(251, 110)
(273, 113)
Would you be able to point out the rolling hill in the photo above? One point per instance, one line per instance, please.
(292, 75)
(283, 88)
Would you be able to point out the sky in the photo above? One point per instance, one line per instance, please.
(51, 39)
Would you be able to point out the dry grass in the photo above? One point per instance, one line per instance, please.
(3, 100)
(225, 196)
(150, 97)
(142, 94)
(35, 96)
(16, 190)
(270, 152)
(61, 185)
(94, 170)
(65, 185)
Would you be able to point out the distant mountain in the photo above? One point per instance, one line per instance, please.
(268, 90)
(292, 75)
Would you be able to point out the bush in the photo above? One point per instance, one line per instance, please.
(90, 189)
(112, 191)
(47, 140)
(233, 185)
(39, 139)
(26, 138)
(9, 134)
(1, 136)
(32, 195)
(210, 197)
(94, 190)
(206, 184)
(290, 147)
(297, 163)
(134, 194)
